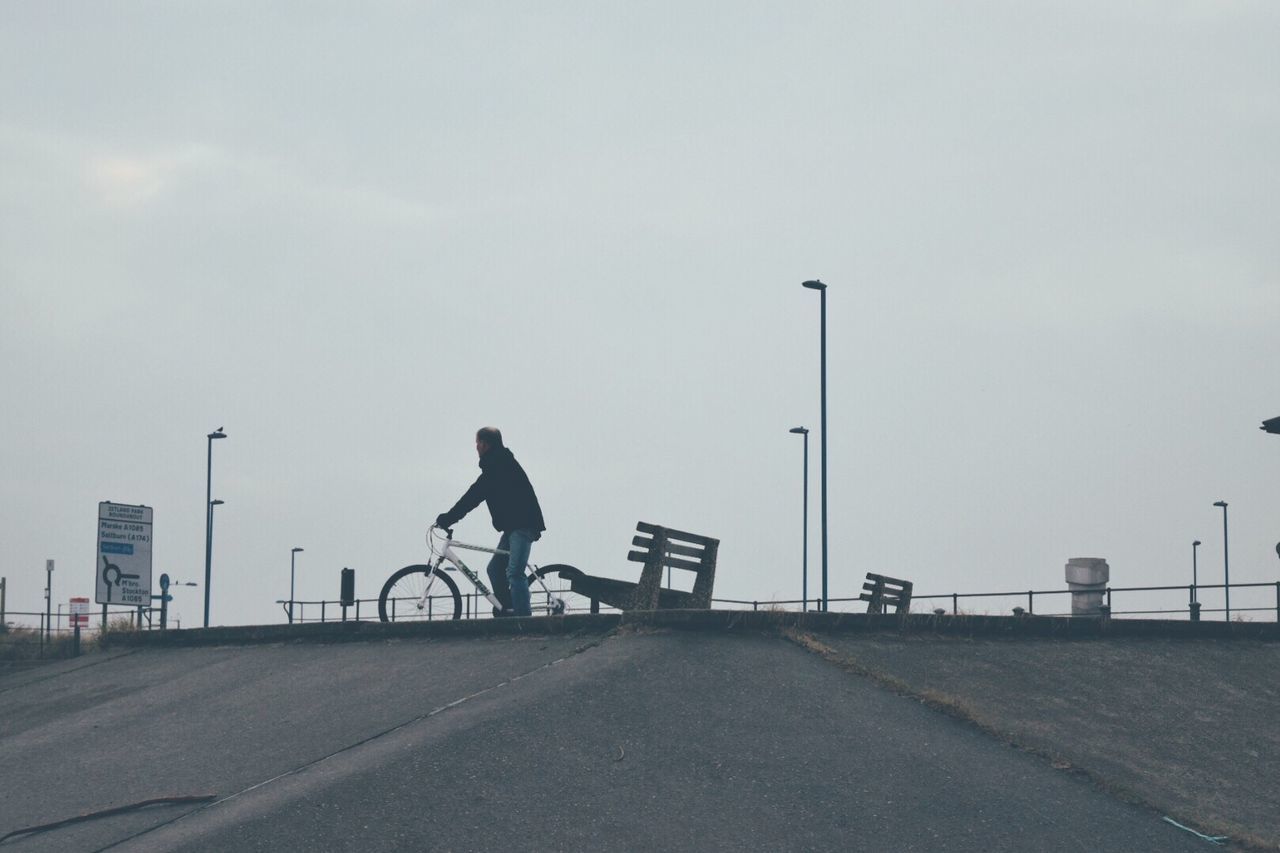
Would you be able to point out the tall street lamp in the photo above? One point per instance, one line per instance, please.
(208, 521)
(822, 289)
(1272, 426)
(1195, 583)
(292, 556)
(1226, 565)
(804, 571)
(213, 503)
(48, 599)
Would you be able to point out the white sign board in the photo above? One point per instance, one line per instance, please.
(79, 612)
(124, 555)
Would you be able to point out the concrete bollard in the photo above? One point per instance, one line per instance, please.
(1087, 579)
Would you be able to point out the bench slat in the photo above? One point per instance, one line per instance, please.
(646, 527)
(682, 550)
(887, 599)
(886, 579)
(673, 562)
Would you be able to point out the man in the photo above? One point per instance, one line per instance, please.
(504, 486)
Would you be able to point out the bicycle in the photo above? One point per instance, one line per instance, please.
(412, 592)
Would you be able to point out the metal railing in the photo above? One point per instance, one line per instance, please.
(1193, 609)
(439, 607)
(143, 617)
(476, 606)
(29, 640)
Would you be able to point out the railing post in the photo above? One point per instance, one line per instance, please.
(322, 609)
(755, 605)
(955, 604)
(1031, 601)
(1278, 601)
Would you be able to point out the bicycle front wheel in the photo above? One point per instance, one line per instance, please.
(405, 598)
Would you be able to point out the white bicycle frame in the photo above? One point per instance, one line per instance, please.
(446, 554)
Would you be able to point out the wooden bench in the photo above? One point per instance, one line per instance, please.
(882, 590)
(658, 548)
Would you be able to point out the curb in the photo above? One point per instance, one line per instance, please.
(1058, 627)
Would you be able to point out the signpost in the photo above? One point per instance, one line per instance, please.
(123, 569)
(48, 600)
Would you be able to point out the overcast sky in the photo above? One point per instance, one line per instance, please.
(353, 233)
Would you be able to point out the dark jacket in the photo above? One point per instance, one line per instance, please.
(505, 487)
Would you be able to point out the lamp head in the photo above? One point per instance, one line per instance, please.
(1222, 504)
(814, 285)
(1195, 543)
(296, 550)
(799, 430)
(217, 433)
(216, 502)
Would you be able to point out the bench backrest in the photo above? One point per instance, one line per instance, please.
(881, 591)
(662, 547)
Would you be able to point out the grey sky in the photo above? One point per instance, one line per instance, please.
(353, 235)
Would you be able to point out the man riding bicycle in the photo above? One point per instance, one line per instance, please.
(505, 487)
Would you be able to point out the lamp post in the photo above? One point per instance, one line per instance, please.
(1195, 583)
(208, 521)
(804, 564)
(292, 557)
(822, 289)
(208, 558)
(48, 600)
(1226, 565)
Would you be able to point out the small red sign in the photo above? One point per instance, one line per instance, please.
(79, 612)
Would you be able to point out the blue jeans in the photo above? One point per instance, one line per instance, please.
(506, 572)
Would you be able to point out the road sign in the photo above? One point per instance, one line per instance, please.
(79, 612)
(123, 567)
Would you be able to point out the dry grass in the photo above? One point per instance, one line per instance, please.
(24, 644)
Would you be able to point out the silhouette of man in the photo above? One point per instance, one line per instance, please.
(505, 487)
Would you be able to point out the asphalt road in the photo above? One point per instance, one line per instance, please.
(1186, 725)
(648, 740)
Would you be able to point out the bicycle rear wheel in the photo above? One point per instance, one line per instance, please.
(556, 604)
(403, 592)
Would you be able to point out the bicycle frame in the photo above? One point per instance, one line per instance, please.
(447, 554)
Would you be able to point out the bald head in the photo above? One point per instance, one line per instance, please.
(487, 438)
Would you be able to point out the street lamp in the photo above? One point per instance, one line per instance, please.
(1195, 583)
(292, 556)
(1272, 426)
(1226, 565)
(48, 600)
(804, 570)
(208, 521)
(208, 554)
(822, 289)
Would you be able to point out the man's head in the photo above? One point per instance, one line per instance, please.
(487, 438)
